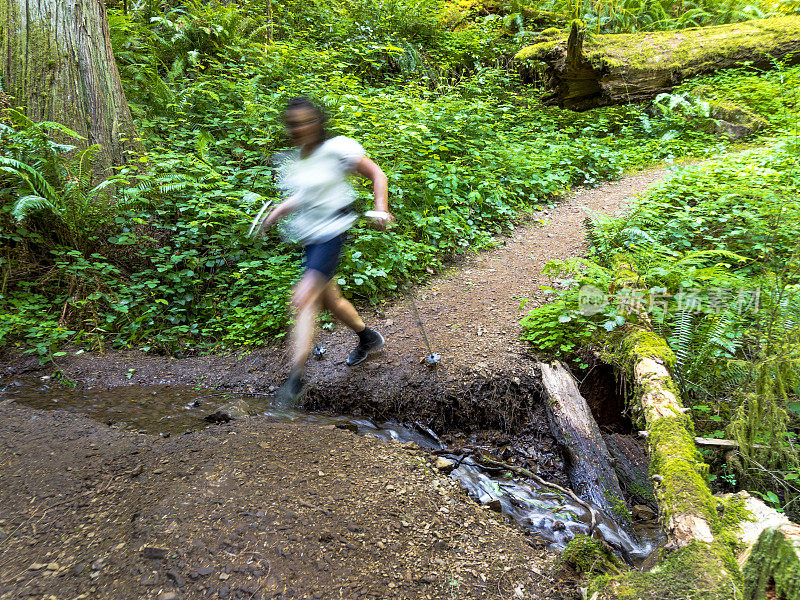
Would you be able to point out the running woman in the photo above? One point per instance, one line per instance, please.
(314, 176)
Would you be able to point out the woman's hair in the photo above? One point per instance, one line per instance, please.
(303, 102)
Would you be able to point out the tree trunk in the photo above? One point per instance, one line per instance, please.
(583, 72)
(589, 465)
(58, 65)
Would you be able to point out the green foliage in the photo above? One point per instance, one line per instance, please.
(773, 96)
(626, 16)
(51, 181)
(590, 557)
(157, 258)
(709, 261)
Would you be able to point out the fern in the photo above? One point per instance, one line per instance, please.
(28, 205)
(682, 339)
(34, 180)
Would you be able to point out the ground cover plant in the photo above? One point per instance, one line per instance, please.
(715, 257)
(626, 16)
(156, 257)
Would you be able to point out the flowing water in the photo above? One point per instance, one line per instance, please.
(552, 517)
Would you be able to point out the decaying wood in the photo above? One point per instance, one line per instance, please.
(589, 464)
(770, 553)
(712, 442)
(583, 71)
(631, 466)
(774, 565)
(683, 495)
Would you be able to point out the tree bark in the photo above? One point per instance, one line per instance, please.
(631, 465)
(584, 72)
(589, 465)
(58, 64)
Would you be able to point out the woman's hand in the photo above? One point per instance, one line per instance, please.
(274, 215)
(284, 208)
(380, 186)
(380, 218)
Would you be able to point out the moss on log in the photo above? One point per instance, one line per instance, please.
(695, 572)
(589, 557)
(583, 71)
(698, 560)
(773, 569)
(687, 507)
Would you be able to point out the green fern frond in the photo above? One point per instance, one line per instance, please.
(170, 179)
(50, 125)
(204, 138)
(27, 205)
(259, 34)
(701, 257)
(18, 118)
(33, 178)
(173, 187)
(682, 339)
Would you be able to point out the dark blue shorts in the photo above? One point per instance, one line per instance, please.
(324, 257)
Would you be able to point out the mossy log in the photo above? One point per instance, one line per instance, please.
(687, 507)
(698, 560)
(589, 465)
(583, 71)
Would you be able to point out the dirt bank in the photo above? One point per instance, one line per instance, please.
(248, 510)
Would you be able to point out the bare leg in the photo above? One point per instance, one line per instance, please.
(368, 340)
(306, 301)
(341, 308)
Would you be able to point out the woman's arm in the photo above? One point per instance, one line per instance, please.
(286, 207)
(380, 186)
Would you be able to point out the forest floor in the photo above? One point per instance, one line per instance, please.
(471, 314)
(255, 509)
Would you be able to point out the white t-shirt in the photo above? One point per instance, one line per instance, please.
(319, 184)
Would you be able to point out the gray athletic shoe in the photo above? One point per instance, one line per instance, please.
(290, 393)
(373, 343)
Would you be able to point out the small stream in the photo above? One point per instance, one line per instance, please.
(164, 410)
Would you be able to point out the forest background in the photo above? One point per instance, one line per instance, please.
(156, 257)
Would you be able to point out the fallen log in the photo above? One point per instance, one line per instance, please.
(713, 442)
(687, 507)
(589, 464)
(582, 71)
(631, 465)
(698, 559)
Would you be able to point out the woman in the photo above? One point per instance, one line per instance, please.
(314, 176)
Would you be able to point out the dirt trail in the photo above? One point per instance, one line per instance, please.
(471, 314)
(247, 510)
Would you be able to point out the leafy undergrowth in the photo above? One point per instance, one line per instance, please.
(157, 256)
(711, 260)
